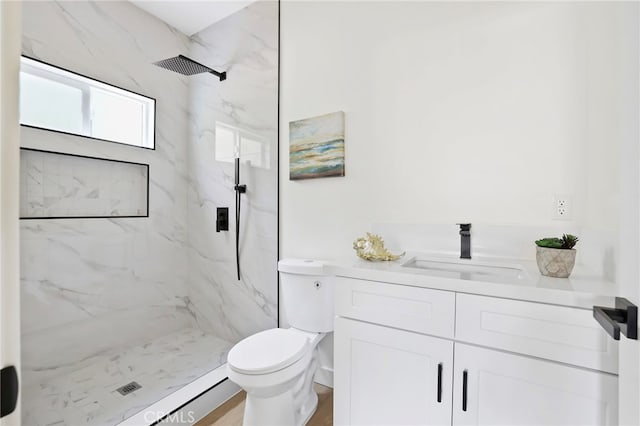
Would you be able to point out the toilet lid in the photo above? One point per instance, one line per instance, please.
(267, 351)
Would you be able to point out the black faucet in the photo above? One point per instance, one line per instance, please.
(465, 240)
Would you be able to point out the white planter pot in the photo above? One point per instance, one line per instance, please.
(557, 263)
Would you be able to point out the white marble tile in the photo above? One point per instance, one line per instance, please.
(245, 45)
(84, 392)
(92, 285)
(68, 186)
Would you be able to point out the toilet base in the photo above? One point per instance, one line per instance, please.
(309, 407)
(278, 410)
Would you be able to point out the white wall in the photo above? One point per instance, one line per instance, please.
(9, 173)
(476, 112)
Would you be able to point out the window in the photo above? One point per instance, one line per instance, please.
(55, 99)
(253, 149)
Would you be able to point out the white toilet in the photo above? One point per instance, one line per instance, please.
(276, 367)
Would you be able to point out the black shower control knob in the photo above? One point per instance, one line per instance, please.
(318, 284)
(222, 219)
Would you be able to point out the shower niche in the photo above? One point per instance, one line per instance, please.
(56, 185)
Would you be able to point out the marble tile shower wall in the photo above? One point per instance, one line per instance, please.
(97, 284)
(90, 285)
(246, 46)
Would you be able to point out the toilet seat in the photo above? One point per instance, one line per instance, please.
(267, 351)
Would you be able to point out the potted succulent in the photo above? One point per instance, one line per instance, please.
(556, 257)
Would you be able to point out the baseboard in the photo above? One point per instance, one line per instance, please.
(324, 376)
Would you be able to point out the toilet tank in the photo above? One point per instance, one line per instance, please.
(307, 294)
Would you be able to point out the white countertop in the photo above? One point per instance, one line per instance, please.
(582, 289)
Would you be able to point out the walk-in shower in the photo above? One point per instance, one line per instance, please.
(128, 312)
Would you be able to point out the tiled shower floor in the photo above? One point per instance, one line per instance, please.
(87, 394)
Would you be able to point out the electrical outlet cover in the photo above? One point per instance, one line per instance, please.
(562, 207)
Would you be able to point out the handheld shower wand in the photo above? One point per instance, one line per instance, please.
(240, 189)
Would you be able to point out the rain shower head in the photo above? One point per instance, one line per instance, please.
(183, 65)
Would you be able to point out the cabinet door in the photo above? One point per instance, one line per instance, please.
(507, 389)
(385, 376)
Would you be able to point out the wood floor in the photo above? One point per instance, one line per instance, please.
(230, 413)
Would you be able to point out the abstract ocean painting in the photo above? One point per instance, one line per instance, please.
(316, 147)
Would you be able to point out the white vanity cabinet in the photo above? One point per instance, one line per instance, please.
(410, 355)
(393, 372)
(508, 389)
(391, 377)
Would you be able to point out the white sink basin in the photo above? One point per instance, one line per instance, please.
(467, 269)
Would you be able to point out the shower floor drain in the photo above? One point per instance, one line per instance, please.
(128, 388)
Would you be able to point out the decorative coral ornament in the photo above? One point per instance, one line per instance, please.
(372, 248)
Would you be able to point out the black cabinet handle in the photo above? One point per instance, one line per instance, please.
(464, 390)
(440, 382)
(623, 318)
